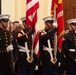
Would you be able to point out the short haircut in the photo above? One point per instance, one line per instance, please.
(15, 22)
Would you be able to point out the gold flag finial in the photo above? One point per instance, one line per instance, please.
(59, 1)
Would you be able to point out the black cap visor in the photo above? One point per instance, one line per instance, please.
(74, 24)
(5, 20)
(50, 21)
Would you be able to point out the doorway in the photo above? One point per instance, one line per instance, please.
(69, 7)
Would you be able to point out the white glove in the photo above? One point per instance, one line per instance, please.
(36, 67)
(9, 48)
(59, 64)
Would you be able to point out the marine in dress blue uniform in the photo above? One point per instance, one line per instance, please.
(69, 49)
(48, 54)
(4, 42)
(5, 46)
(27, 59)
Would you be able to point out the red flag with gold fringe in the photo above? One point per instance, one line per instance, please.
(57, 11)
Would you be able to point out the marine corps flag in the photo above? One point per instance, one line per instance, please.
(57, 11)
(32, 20)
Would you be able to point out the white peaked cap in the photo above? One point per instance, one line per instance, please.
(48, 18)
(23, 18)
(4, 16)
(71, 21)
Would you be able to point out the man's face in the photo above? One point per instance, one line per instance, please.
(15, 24)
(5, 23)
(25, 25)
(72, 27)
(48, 25)
(24, 22)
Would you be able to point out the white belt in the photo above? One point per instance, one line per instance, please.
(25, 49)
(22, 49)
(72, 50)
(48, 50)
(53, 60)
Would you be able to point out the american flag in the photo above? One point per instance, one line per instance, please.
(32, 20)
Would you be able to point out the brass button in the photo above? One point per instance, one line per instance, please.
(6, 44)
(5, 35)
(52, 37)
(6, 41)
(28, 50)
(6, 38)
(64, 56)
(0, 38)
(74, 36)
(75, 60)
(4, 32)
(21, 54)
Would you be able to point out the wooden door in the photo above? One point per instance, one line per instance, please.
(69, 7)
